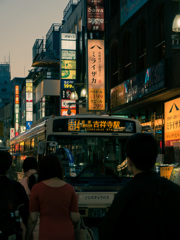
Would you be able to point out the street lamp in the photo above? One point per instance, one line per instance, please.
(176, 22)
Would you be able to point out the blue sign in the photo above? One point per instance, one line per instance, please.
(67, 84)
(28, 125)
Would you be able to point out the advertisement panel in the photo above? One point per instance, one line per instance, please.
(129, 7)
(29, 103)
(68, 45)
(67, 103)
(68, 71)
(68, 74)
(68, 64)
(67, 84)
(96, 78)
(68, 54)
(172, 122)
(64, 112)
(16, 109)
(95, 15)
(12, 133)
(145, 82)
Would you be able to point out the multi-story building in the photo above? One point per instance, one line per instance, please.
(46, 74)
(5, 83)
(144, 66)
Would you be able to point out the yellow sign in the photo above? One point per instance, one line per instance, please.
(96, 78)
(166, 172)
(102, 125)
(68, 74)
(172, 122)
(68, 64)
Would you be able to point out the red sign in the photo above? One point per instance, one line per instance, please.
(95, 15)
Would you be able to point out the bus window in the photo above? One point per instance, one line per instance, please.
(93, 156)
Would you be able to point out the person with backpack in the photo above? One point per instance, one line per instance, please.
(29, 167)
(13, 202)
(148, 207)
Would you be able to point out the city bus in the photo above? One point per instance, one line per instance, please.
(91, 149)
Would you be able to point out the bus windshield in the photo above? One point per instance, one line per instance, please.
(88, 156)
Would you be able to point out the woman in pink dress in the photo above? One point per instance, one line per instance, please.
(55, 200)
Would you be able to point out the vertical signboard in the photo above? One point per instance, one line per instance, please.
(12, 133)
(96, 78)
(95, 15)
(68, 72)
(172, 122)
(29, 103)
(16, 105)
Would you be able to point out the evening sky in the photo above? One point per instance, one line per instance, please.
(21, 23)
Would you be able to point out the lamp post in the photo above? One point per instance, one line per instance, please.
(79, 99)
(176, 22)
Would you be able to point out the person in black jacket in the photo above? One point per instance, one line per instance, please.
(149, 206)
(14, 202)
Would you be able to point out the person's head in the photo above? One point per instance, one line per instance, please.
(141, 151)
(50, 167)
(29, 166)
(5, 162)
(29, 163)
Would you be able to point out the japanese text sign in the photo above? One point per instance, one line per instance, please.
(96, 78)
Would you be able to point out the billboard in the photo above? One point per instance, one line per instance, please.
(16, 109)
(144, 83)
(95, 15)
(96, 76)
(172, 122)
(68, 71)
(29, 103)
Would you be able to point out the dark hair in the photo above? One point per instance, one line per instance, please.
(5, 161)
(50, 167)
(142, 149)
(30, 163)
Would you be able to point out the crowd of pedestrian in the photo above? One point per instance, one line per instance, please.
(146, 208)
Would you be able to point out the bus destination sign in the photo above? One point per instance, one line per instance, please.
(101, 125)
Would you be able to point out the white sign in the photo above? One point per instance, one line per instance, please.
(65, 103)
(68, 36)
(12, 133)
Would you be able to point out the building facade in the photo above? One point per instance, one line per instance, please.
(144, 66)
(5, 83)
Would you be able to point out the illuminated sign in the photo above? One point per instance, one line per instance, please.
(68, 64)
(68, 74)
(12, 133)
(68, 54)
(165, 171)
(96, 78)
(172, 122)
(95, 15)
(64, 112)
(144, 83)
(68, 36)
(29, 103)
(16, 109)
(67, 84)
(65, 103)
(94, 125)
(68, 69)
